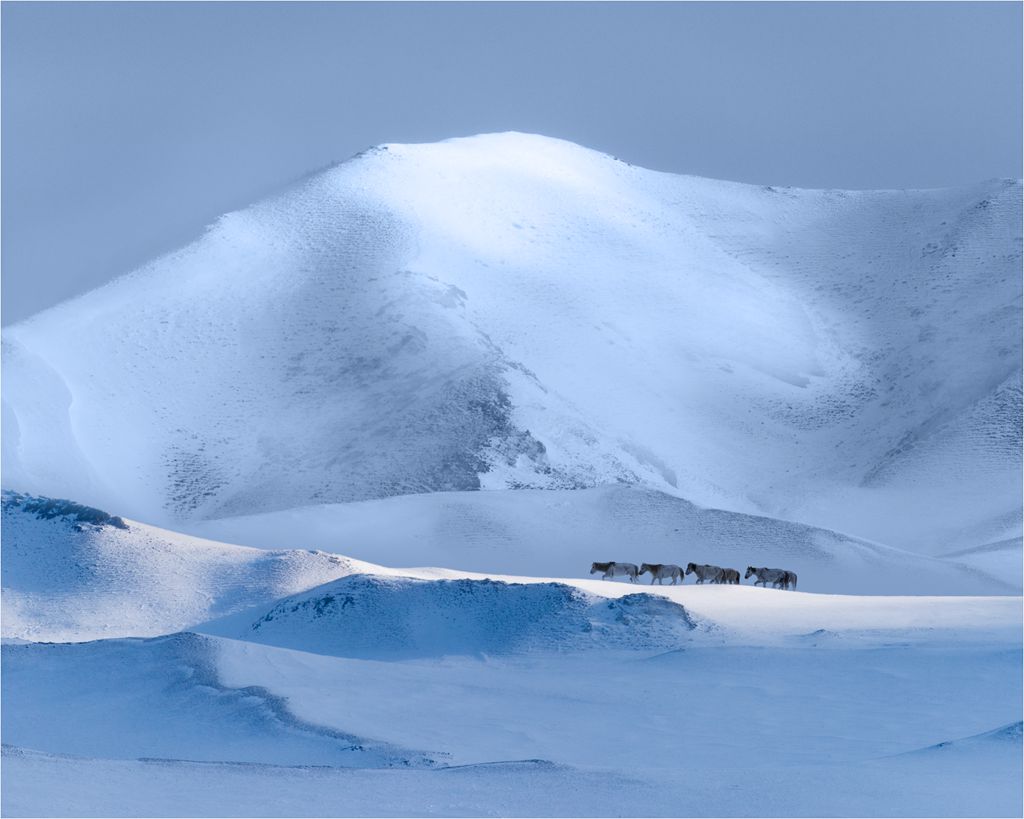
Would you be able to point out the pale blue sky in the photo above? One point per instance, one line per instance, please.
(128, 127)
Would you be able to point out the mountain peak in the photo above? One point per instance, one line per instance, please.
(511, 310)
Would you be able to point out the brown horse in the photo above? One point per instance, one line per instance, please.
(731, 576)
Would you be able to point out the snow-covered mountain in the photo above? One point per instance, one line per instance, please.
(510, 311)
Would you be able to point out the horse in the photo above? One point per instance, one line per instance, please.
(614, 569)
(731, 576)
(659, 571)
(705, 572)
(777, 577)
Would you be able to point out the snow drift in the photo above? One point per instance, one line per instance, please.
(377, 617)
(161, 698)
(512, 311)
(72, 572)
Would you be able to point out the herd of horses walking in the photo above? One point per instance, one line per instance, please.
(779, 578)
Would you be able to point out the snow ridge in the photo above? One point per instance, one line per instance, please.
(369, 616)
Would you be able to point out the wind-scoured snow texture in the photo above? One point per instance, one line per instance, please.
(371, 616)
(512, 311)
(75, 573)
(983, 786)
(161, 698)
(797, 731)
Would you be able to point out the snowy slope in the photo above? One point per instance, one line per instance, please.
(368, 616)
(559, 534)
(794, 731)
(73, 573)
(512, 311)
(982, 784)
(324, 685)
(68, 579)
(389, 618)
(161, 698)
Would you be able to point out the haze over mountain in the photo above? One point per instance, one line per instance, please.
(510, 311)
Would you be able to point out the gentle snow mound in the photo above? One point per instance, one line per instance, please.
(371, 616)
(73, 573)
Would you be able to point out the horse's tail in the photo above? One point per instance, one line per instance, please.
(792, 576)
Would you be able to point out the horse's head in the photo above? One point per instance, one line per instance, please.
(750, 571)
(644, 568)
(691, 568)
(593, 568)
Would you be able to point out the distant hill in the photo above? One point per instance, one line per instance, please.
(510, 311)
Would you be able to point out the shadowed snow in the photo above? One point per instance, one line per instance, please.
(369, 616)
(162, 698)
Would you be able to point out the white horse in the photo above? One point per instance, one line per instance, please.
(705, 572)
(614, 569)
(779, 578)
(659, 571)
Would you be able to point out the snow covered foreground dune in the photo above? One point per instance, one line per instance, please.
(307, 683)
(72, 572)
(511, 311)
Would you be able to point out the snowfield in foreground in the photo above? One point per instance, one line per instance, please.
(308, 684)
